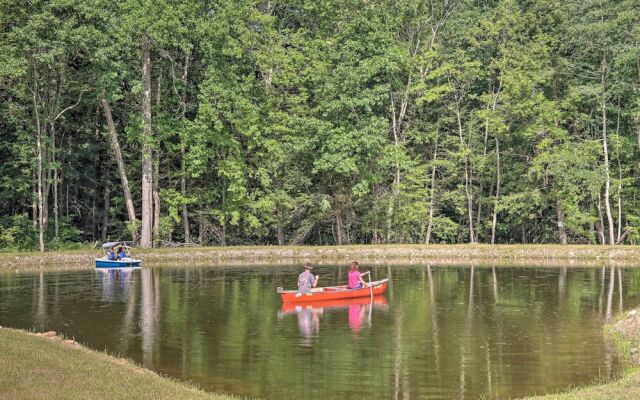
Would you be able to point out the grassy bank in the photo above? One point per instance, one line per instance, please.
(47, 367)
(371, 254)
(625, 388)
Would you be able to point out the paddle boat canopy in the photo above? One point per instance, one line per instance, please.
(112, 260)
(334, 292)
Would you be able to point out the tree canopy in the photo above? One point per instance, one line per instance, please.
(319, 122)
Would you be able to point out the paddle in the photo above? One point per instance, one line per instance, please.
(370, 287)
(371, 292)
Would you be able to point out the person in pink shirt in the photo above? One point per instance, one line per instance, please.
(355, 277)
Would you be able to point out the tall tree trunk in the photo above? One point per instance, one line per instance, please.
(115, 147)
(107, 205)
(183, 191)
(280, 235)
(605, 148)
(156, 173)
(619, 233)
(147, 161)
(339, 227)
(562, 233)
(432, 193)
(494, 221)
(467, 183)
(55, 182)
(600, 223)
(183, 169)
(495, 204)
(34, 200)
(39, 156)
(156, 201)
(94, 193)
(395, 190)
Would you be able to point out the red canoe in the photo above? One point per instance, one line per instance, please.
(333, 292)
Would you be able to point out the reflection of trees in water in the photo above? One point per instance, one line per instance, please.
(467, 338)
(524, 314)
(469, 330)
(149, 313)
(435, 331)
(130, 312)
(620, 286)
(40, 319)
(401, 379)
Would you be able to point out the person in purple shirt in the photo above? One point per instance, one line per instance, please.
(355, 277)
(306, 280)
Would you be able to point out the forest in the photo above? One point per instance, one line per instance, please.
(179, 122)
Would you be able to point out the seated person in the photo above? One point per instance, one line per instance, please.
(111, 256)
(355, 277)
(122, 254)
(306, 281)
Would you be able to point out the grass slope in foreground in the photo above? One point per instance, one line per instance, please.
(36, 367)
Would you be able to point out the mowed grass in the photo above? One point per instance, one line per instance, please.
(36, 367)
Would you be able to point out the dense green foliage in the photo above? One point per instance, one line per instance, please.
(319, 122)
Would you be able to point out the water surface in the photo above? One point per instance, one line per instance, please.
(438, 333)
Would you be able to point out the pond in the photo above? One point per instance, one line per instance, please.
(439, 332)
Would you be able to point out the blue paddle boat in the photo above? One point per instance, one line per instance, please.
(117, 255)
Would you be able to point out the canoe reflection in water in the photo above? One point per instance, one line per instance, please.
(310, 313)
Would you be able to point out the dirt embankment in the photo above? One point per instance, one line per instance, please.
(371, 254)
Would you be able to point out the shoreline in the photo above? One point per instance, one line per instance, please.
(47, 366)
(476, 254)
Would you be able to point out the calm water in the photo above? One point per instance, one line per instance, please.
(438, 333)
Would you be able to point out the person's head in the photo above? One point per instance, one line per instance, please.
(354, 266)
(308, 266)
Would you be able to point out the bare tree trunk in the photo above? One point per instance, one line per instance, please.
(183, 191)
(605, 148)
(147, 161)
(280, 234)
(46, 185)
(339, 227)
(432, 193)
(481, 188)
(467, 184)
(115, 146)
(600, 223)
(156, 174)
(107, 205)
(34, 200)
(494, 221)
(395, 190)
(619, 233)
(94, 193)
(156, 201)
(55, 182)
(495, 204)
(39, 156)
(183, 170)
(562, 233)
